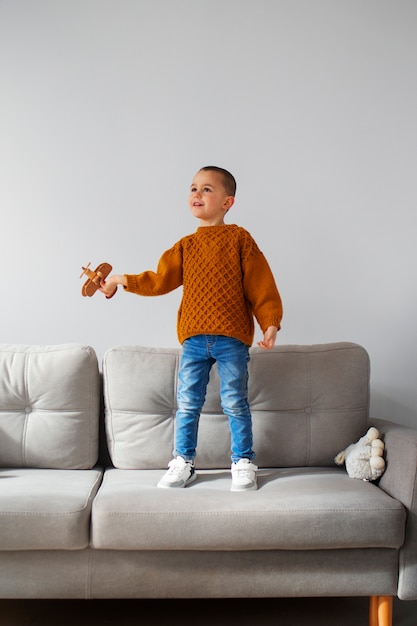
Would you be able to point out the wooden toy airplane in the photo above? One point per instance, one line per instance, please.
(94, 277)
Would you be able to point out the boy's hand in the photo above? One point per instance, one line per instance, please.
(109, 286)
(270, 336)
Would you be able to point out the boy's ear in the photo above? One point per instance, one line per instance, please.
(229, 202)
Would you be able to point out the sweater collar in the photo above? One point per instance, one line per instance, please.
(206, 229)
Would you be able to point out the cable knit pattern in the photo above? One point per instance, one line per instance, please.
(226, 281)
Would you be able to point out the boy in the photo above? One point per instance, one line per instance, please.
(226, 282)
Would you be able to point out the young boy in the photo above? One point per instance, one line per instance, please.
(226, 282)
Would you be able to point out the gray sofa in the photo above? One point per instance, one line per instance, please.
(82, 448)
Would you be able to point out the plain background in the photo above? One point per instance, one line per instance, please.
(109, 107)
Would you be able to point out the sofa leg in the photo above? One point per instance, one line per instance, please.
(380, 611)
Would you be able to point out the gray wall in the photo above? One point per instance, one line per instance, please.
(108, 107)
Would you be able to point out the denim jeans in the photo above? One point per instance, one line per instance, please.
(232, 357)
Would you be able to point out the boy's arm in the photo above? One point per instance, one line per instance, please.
(263, 295)
(261, 290)
(167, 277)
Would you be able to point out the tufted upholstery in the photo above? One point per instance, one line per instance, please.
(308, 403)
(49, 406)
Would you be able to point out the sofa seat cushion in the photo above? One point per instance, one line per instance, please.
(46, 509)
(293, 509)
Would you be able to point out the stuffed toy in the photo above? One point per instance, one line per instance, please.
(364, 459)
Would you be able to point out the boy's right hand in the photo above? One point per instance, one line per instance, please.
(109, 286)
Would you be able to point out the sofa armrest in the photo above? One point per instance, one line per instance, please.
(400, 481)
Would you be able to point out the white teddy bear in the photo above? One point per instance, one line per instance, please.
(364, 459)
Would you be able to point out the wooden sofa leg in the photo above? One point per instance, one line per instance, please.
(373, 611)
(380, 611)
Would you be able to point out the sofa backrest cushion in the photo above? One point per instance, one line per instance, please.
(49, 406)
(308, 403)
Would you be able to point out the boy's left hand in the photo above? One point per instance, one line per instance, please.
(270, 336)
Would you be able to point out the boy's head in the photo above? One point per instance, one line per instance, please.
(212, 194)
(228, 179)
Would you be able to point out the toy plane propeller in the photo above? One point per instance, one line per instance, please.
(94, 277)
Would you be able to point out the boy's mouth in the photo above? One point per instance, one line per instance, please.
(197, 204)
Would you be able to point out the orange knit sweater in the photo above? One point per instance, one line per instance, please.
(226, 281)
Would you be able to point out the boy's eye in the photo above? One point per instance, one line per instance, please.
(205, 189)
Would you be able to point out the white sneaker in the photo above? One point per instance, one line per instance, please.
(244, 476)
(179, 474)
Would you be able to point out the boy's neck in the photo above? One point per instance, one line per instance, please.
(214, 223)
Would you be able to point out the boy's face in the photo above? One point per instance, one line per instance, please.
(208, 198)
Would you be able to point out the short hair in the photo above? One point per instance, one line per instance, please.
(228, 179)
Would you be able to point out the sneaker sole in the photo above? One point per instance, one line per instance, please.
(248, 488)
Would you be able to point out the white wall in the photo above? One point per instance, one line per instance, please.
(108, 107)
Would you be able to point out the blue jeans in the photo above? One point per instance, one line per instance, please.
(232, 356)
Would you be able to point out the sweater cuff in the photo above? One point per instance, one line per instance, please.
(272, 321)
(131, 283)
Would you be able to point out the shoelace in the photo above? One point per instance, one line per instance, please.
(175, 468)
(244, 472)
